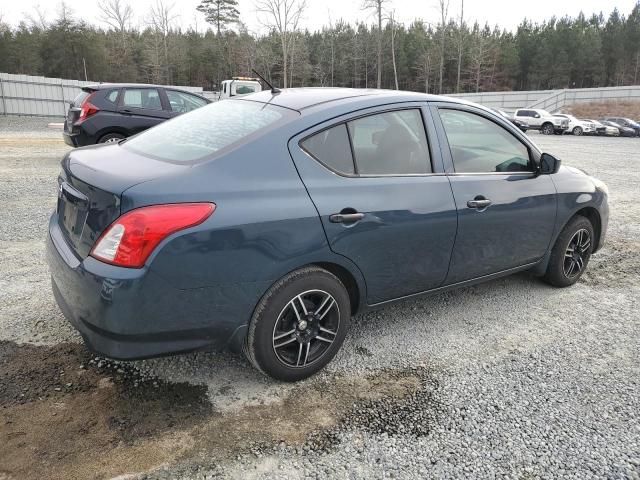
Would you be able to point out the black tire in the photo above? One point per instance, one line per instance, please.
(275, 323)
(547, 129)
(564, 271)
(111, 137)
(577, 131)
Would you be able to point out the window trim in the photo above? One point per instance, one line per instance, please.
(456, 107)
(420, 108)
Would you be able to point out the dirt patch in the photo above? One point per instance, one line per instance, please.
(65, 414)
(616, 265)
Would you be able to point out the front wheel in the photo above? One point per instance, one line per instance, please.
(571, 253)
(299, 325)
(577, 131)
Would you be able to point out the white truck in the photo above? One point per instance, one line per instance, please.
(542, 120)
(239, 86)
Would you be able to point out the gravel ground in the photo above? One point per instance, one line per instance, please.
(510, 379)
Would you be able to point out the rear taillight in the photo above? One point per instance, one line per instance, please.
(129, 240)
(87, 109)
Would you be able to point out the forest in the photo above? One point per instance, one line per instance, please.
(442, 55)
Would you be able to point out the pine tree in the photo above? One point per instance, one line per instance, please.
(220, 12)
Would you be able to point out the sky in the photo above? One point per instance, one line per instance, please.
(505, 13)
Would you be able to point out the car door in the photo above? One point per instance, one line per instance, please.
(506, 211)
(383, 199)
(141, 108)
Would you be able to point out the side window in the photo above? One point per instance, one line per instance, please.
(392, 143)
(183, 102)
(147, 98)
(112, 96)
(480, 146)
(331, 148)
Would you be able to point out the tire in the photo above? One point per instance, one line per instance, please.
(577, 131)
(547, 129)
(564, 271)
(281, 342)
(111, 137)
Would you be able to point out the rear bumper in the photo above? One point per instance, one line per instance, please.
(77, 137)
(134, 313)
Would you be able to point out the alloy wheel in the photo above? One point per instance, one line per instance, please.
(306, 328)
(577, 253)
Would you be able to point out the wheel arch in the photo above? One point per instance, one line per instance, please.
(348, 280)
(108, 130)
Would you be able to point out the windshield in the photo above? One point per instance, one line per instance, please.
(202, 132)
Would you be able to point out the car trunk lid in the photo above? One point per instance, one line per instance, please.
(91, 186)
(75, 106)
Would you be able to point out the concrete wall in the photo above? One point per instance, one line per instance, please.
(42, 96)
(551, 100)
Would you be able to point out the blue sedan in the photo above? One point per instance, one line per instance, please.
(262, 224)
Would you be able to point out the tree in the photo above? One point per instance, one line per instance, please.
(377, 6)
(220, 12)
(460, 44)
(393, 50)
(444, 15)
(283, 17)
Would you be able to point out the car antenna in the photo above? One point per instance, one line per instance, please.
(274, 90)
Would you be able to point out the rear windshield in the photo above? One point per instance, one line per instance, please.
(202, 132)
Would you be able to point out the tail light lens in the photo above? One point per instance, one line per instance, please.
(87, 109)
(129, 240)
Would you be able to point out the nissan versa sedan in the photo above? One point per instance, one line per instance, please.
(264, 223)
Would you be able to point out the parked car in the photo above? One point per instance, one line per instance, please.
(522, 126)
(264, 223)
(602, 129)
(577, 127)
(110, 112)
(626, 122)
(542, 120)
(623, 131)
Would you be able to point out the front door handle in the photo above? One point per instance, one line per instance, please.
(346, 217)
(479, 203)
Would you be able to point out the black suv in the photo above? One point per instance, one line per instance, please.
(109, 112)
(625, 122)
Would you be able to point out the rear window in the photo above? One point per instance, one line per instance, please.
(202, 132)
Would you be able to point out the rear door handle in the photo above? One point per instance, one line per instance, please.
(346, 217)
(479, 204)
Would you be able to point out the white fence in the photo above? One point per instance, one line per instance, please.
(42, 96)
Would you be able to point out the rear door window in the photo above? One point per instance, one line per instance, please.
(144, 98)
(391, 143)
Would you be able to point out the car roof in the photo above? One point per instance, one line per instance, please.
(104, 86)
(301, 99)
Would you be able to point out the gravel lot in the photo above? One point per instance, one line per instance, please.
(509, 379)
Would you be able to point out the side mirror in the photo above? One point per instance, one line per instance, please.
(548, 164)
(537, 115)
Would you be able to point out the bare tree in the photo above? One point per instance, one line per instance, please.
(282, 16)
(460, 45)
(116, 14)
(377, 6)
(38, 18)
(444, 15)
(393, 48)
(161, 18)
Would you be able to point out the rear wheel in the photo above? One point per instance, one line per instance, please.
(111, 138)
(547, 129)
(299, 325)
(571, 253)
(577, 131)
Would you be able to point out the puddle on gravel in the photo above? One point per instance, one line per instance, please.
(65, 414)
